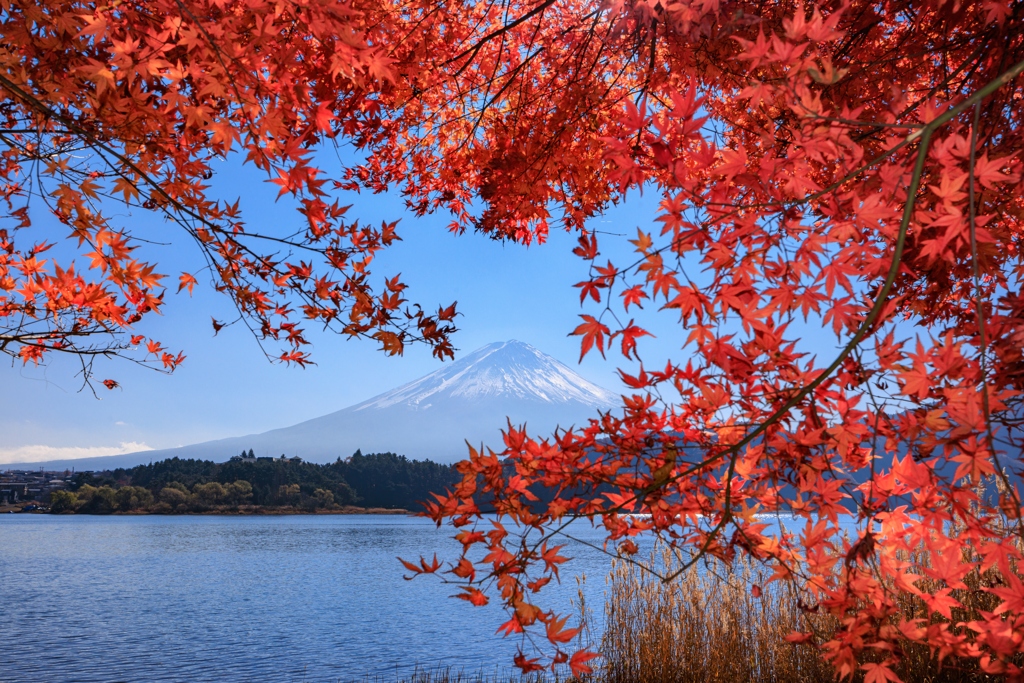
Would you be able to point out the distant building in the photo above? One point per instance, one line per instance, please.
(244, 457)
(14, 492)
(17, 486)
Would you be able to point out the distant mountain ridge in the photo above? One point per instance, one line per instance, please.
(431, 417)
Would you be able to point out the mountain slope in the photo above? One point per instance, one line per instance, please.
(431, 417)
(503, 370)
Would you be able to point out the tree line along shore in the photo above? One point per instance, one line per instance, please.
(378, 482)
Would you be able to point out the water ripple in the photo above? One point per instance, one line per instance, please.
(195, 599)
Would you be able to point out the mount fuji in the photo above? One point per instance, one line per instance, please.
(431, 417)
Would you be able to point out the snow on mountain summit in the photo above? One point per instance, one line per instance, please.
(507, 370)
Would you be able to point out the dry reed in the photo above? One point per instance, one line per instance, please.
(704, 627)
(707, 626)
(450, 675)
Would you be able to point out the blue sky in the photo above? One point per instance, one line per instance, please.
(226, 387)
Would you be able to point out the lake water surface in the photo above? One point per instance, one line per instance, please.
(262, 598)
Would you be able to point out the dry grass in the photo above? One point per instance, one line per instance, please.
(705, 627)
(450, 675)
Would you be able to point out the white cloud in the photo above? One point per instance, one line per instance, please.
(41, 453)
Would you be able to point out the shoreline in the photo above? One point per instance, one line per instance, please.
(249, 511)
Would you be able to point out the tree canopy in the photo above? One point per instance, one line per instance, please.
(377, 480)
(849, 166)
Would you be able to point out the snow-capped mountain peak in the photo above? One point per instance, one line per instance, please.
(509, 369)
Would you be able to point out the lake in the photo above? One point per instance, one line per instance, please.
(272, 598)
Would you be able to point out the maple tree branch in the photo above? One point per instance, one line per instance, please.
(250, 123)
(860, 170)
(103, 147)
(854, 123)
(32, 131)
(72, 126)
(923, 136)
(509, 81)
(980, 314)
(494, 34)
(971, 60)
(976, 276)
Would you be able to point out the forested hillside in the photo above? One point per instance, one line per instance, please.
(378, 480)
